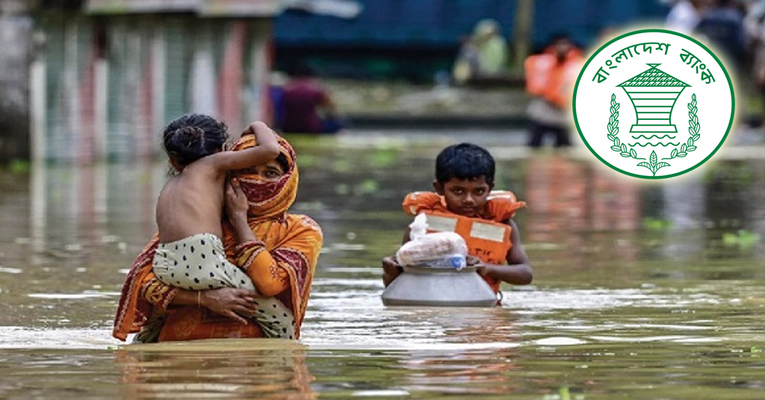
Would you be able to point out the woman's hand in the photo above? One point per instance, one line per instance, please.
(236, 211)
(236, 201)
(230, 302)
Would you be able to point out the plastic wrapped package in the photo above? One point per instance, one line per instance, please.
(441, 249)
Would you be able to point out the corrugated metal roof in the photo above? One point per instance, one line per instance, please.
(211, 8)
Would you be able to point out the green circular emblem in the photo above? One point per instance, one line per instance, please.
(653, 104)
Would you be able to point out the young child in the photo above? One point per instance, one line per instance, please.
(464, 203)
(190, 206)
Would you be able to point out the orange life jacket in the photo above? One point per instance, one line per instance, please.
(487, 237)
(551, 80)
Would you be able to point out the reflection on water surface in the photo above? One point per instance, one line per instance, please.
(642, 290)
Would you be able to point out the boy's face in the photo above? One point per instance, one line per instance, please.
(465, 197)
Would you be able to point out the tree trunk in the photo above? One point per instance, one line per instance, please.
(523, 29)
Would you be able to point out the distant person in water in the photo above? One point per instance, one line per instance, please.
(277, 80)
(465, 200)
(722, 24)
(306, 106)
(190, 254)
(483, 54)
(684, 15)
(550, 78)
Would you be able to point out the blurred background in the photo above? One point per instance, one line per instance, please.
(87, 79)
(664, 279)
(94, 79)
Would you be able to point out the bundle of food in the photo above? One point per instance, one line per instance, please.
(440, 249)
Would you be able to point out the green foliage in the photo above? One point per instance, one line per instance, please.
(341, 165)
(383, 158)
(342, 189)
(742, 239)
(368, 186)
(307, 160)
(656, 224)
(564, 393)
(18, 166)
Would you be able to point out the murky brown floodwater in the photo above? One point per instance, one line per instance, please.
(651, 291)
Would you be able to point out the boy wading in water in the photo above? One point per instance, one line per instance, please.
(190, 253)
(464, 203)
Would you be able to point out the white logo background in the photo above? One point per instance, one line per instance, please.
(592, 101)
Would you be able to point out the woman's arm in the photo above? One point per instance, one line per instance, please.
(518, 269)
(251, 254)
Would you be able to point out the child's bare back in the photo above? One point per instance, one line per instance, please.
(190, 254)
(192, 201)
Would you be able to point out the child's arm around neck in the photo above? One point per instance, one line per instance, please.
(267, 149)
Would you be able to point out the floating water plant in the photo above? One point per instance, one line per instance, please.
(656, 224)
(742, 238)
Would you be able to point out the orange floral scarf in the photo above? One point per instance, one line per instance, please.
(269, 199)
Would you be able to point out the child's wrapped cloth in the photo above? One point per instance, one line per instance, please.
(429, 248)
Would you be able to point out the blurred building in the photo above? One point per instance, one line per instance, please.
(111, 73)
(106, 75)
(15, 42)
(413, 39)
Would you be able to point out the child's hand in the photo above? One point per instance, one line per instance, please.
(483, 269)
(250, 129)
(472, 261)
(253, 128)
(391, 270)
(236, 202)
(390, 265)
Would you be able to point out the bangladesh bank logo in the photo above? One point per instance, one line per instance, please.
(653, 104)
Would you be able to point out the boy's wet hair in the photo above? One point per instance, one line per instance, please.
(464, 161)
(192, 137)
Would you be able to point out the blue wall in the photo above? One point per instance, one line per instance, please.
(440, 23)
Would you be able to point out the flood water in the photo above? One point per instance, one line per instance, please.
(649, 290)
